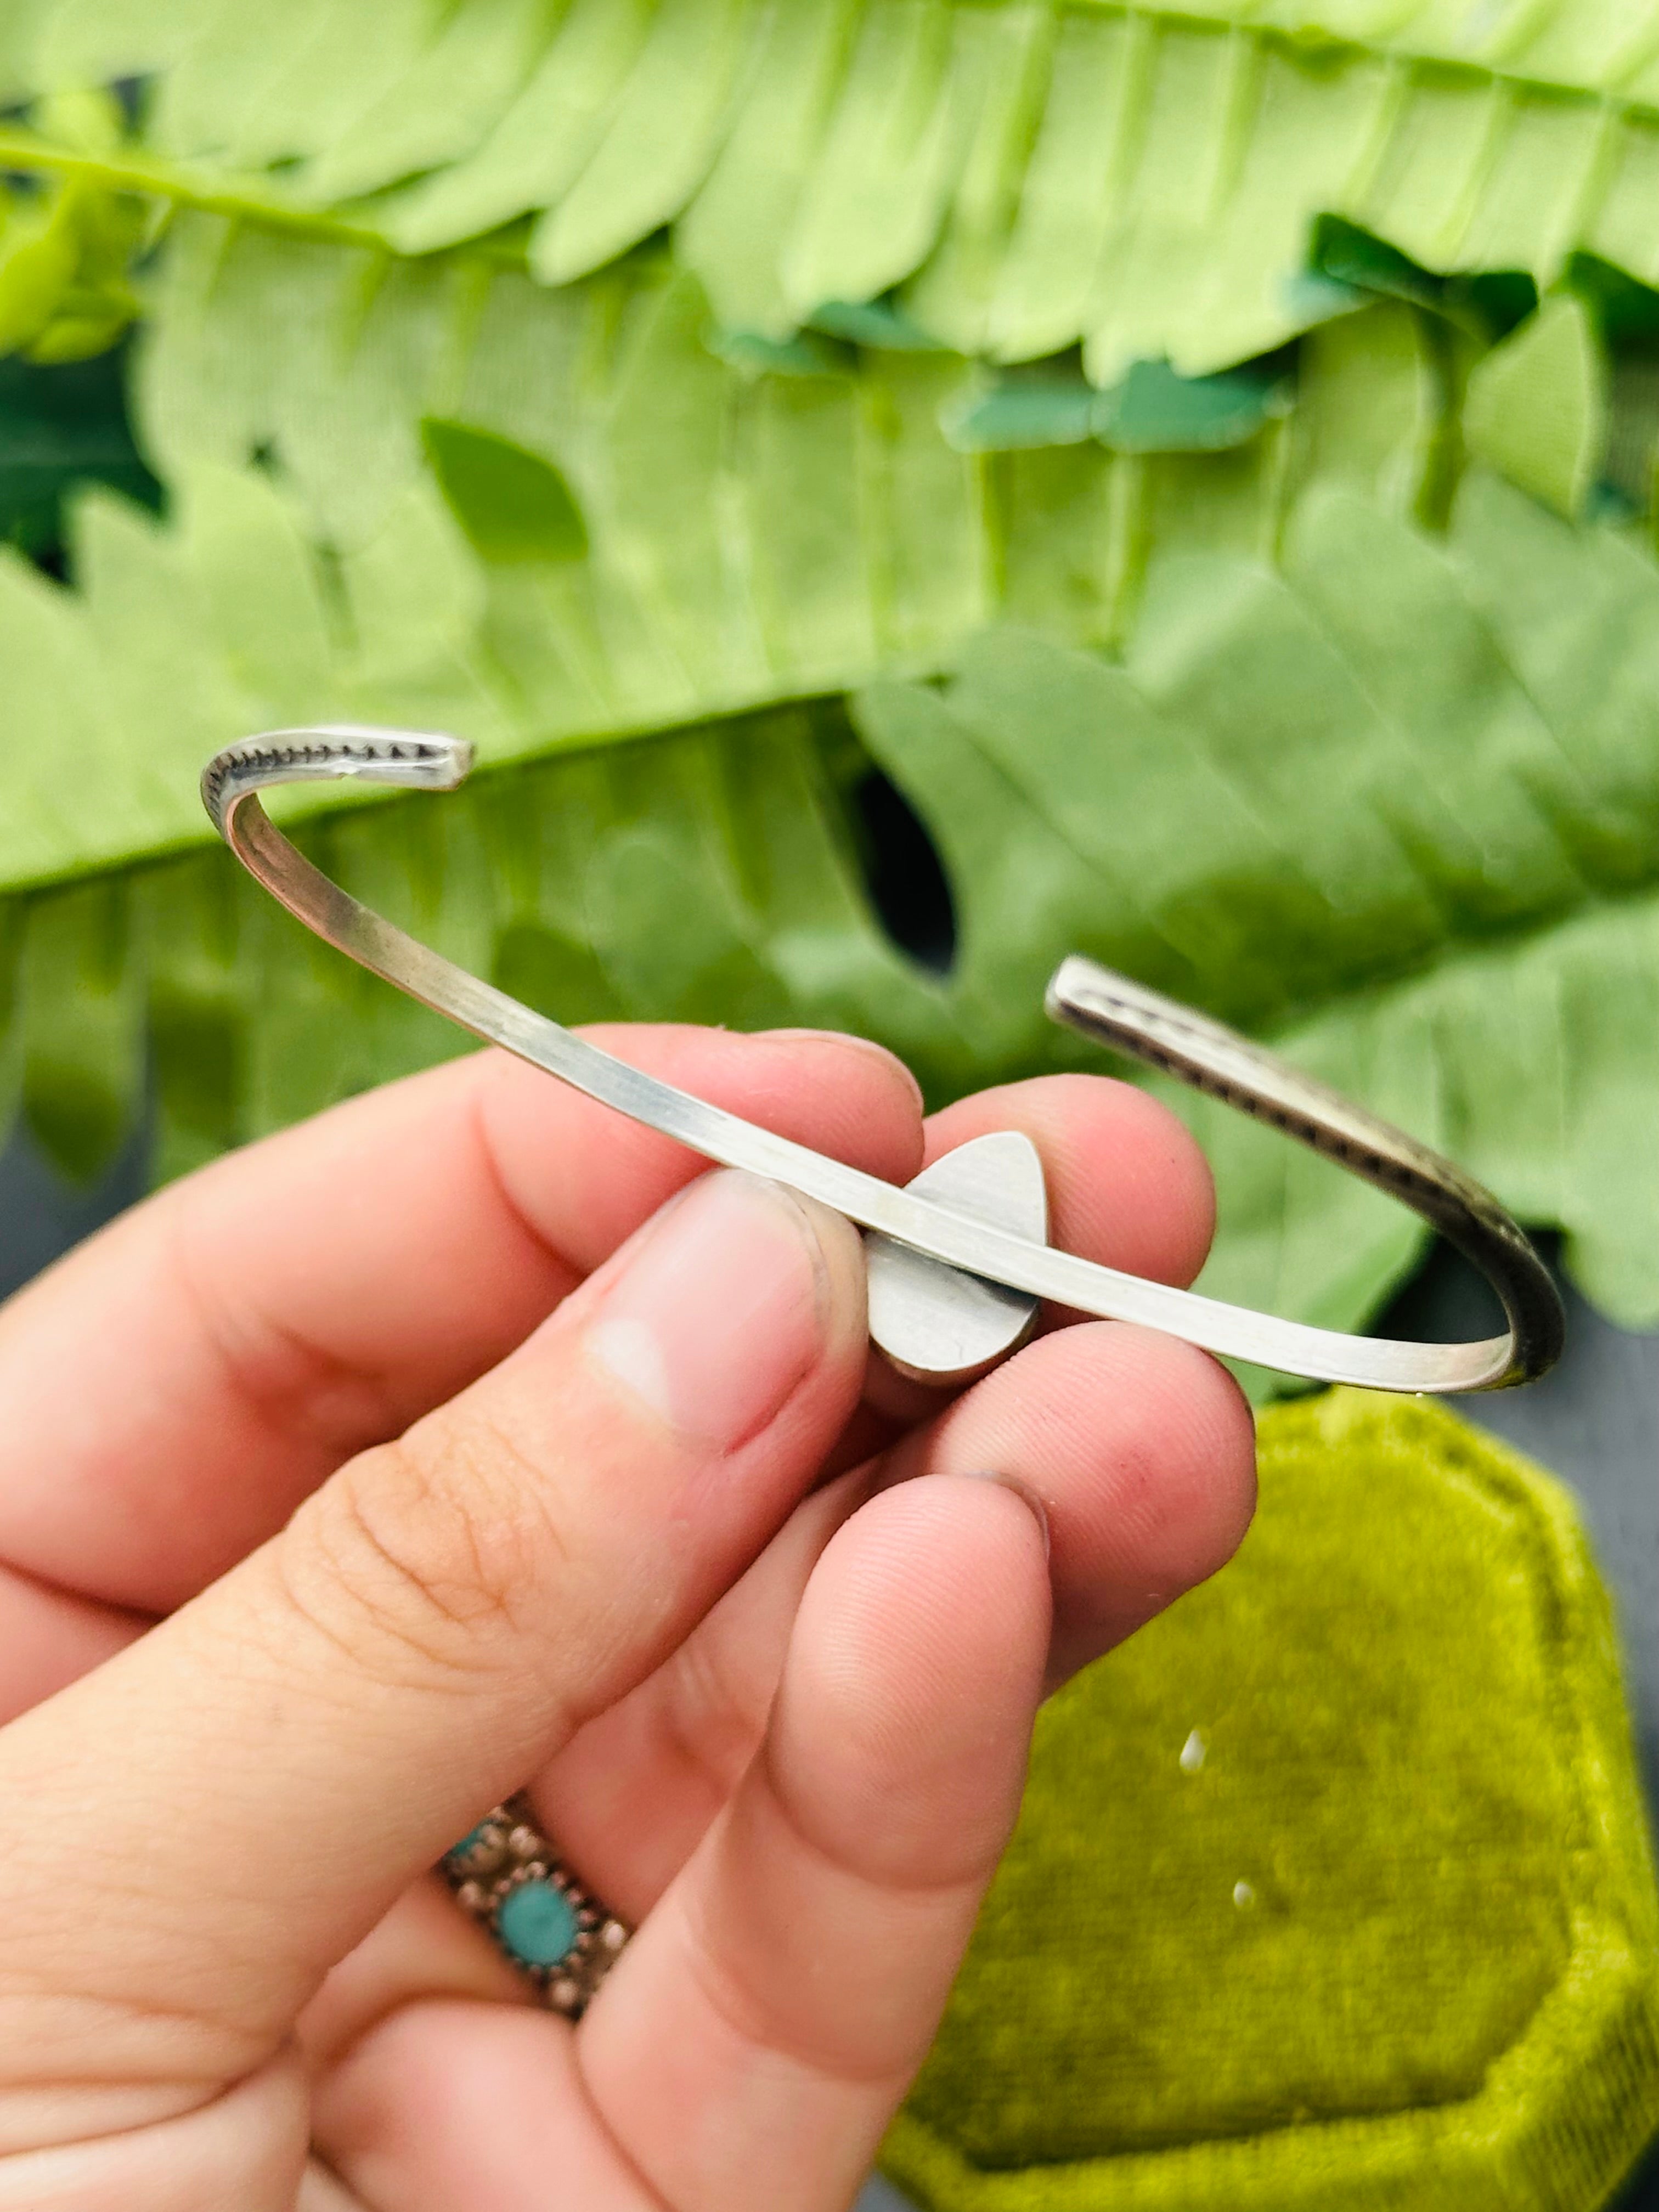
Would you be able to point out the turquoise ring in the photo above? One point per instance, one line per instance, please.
(505, 1875)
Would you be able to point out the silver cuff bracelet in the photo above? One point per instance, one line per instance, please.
(958, 1260)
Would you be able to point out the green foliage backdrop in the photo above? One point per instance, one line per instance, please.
(1204, 461)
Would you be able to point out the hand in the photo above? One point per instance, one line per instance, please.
(429, 1448)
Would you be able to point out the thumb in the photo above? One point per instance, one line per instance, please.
(194, 1833)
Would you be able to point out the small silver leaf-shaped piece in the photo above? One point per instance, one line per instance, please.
(936, 1323)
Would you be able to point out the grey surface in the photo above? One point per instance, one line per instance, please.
(879, 2195)
(1594, 1421)
(41, 1216)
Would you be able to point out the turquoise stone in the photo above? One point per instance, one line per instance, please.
(537, 1923)
(472, 1835)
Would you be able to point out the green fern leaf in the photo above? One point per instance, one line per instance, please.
(1240, 678)
(330, 551)
(1140, 180)
(1394, 803)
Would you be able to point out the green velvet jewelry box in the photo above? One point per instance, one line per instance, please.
(1332, 1889)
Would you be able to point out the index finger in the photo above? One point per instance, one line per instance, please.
(173, 1389)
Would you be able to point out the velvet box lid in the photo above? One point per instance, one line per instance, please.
(1332, 1888)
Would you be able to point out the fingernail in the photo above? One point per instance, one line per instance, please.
(720, 1310)
(1026, 1495)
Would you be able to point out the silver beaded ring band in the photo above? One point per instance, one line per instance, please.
(958, 1260)
(507, 1875)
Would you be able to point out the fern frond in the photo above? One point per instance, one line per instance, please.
(1392, 801)
(1138, 179)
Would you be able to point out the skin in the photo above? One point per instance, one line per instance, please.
(438, 1444)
